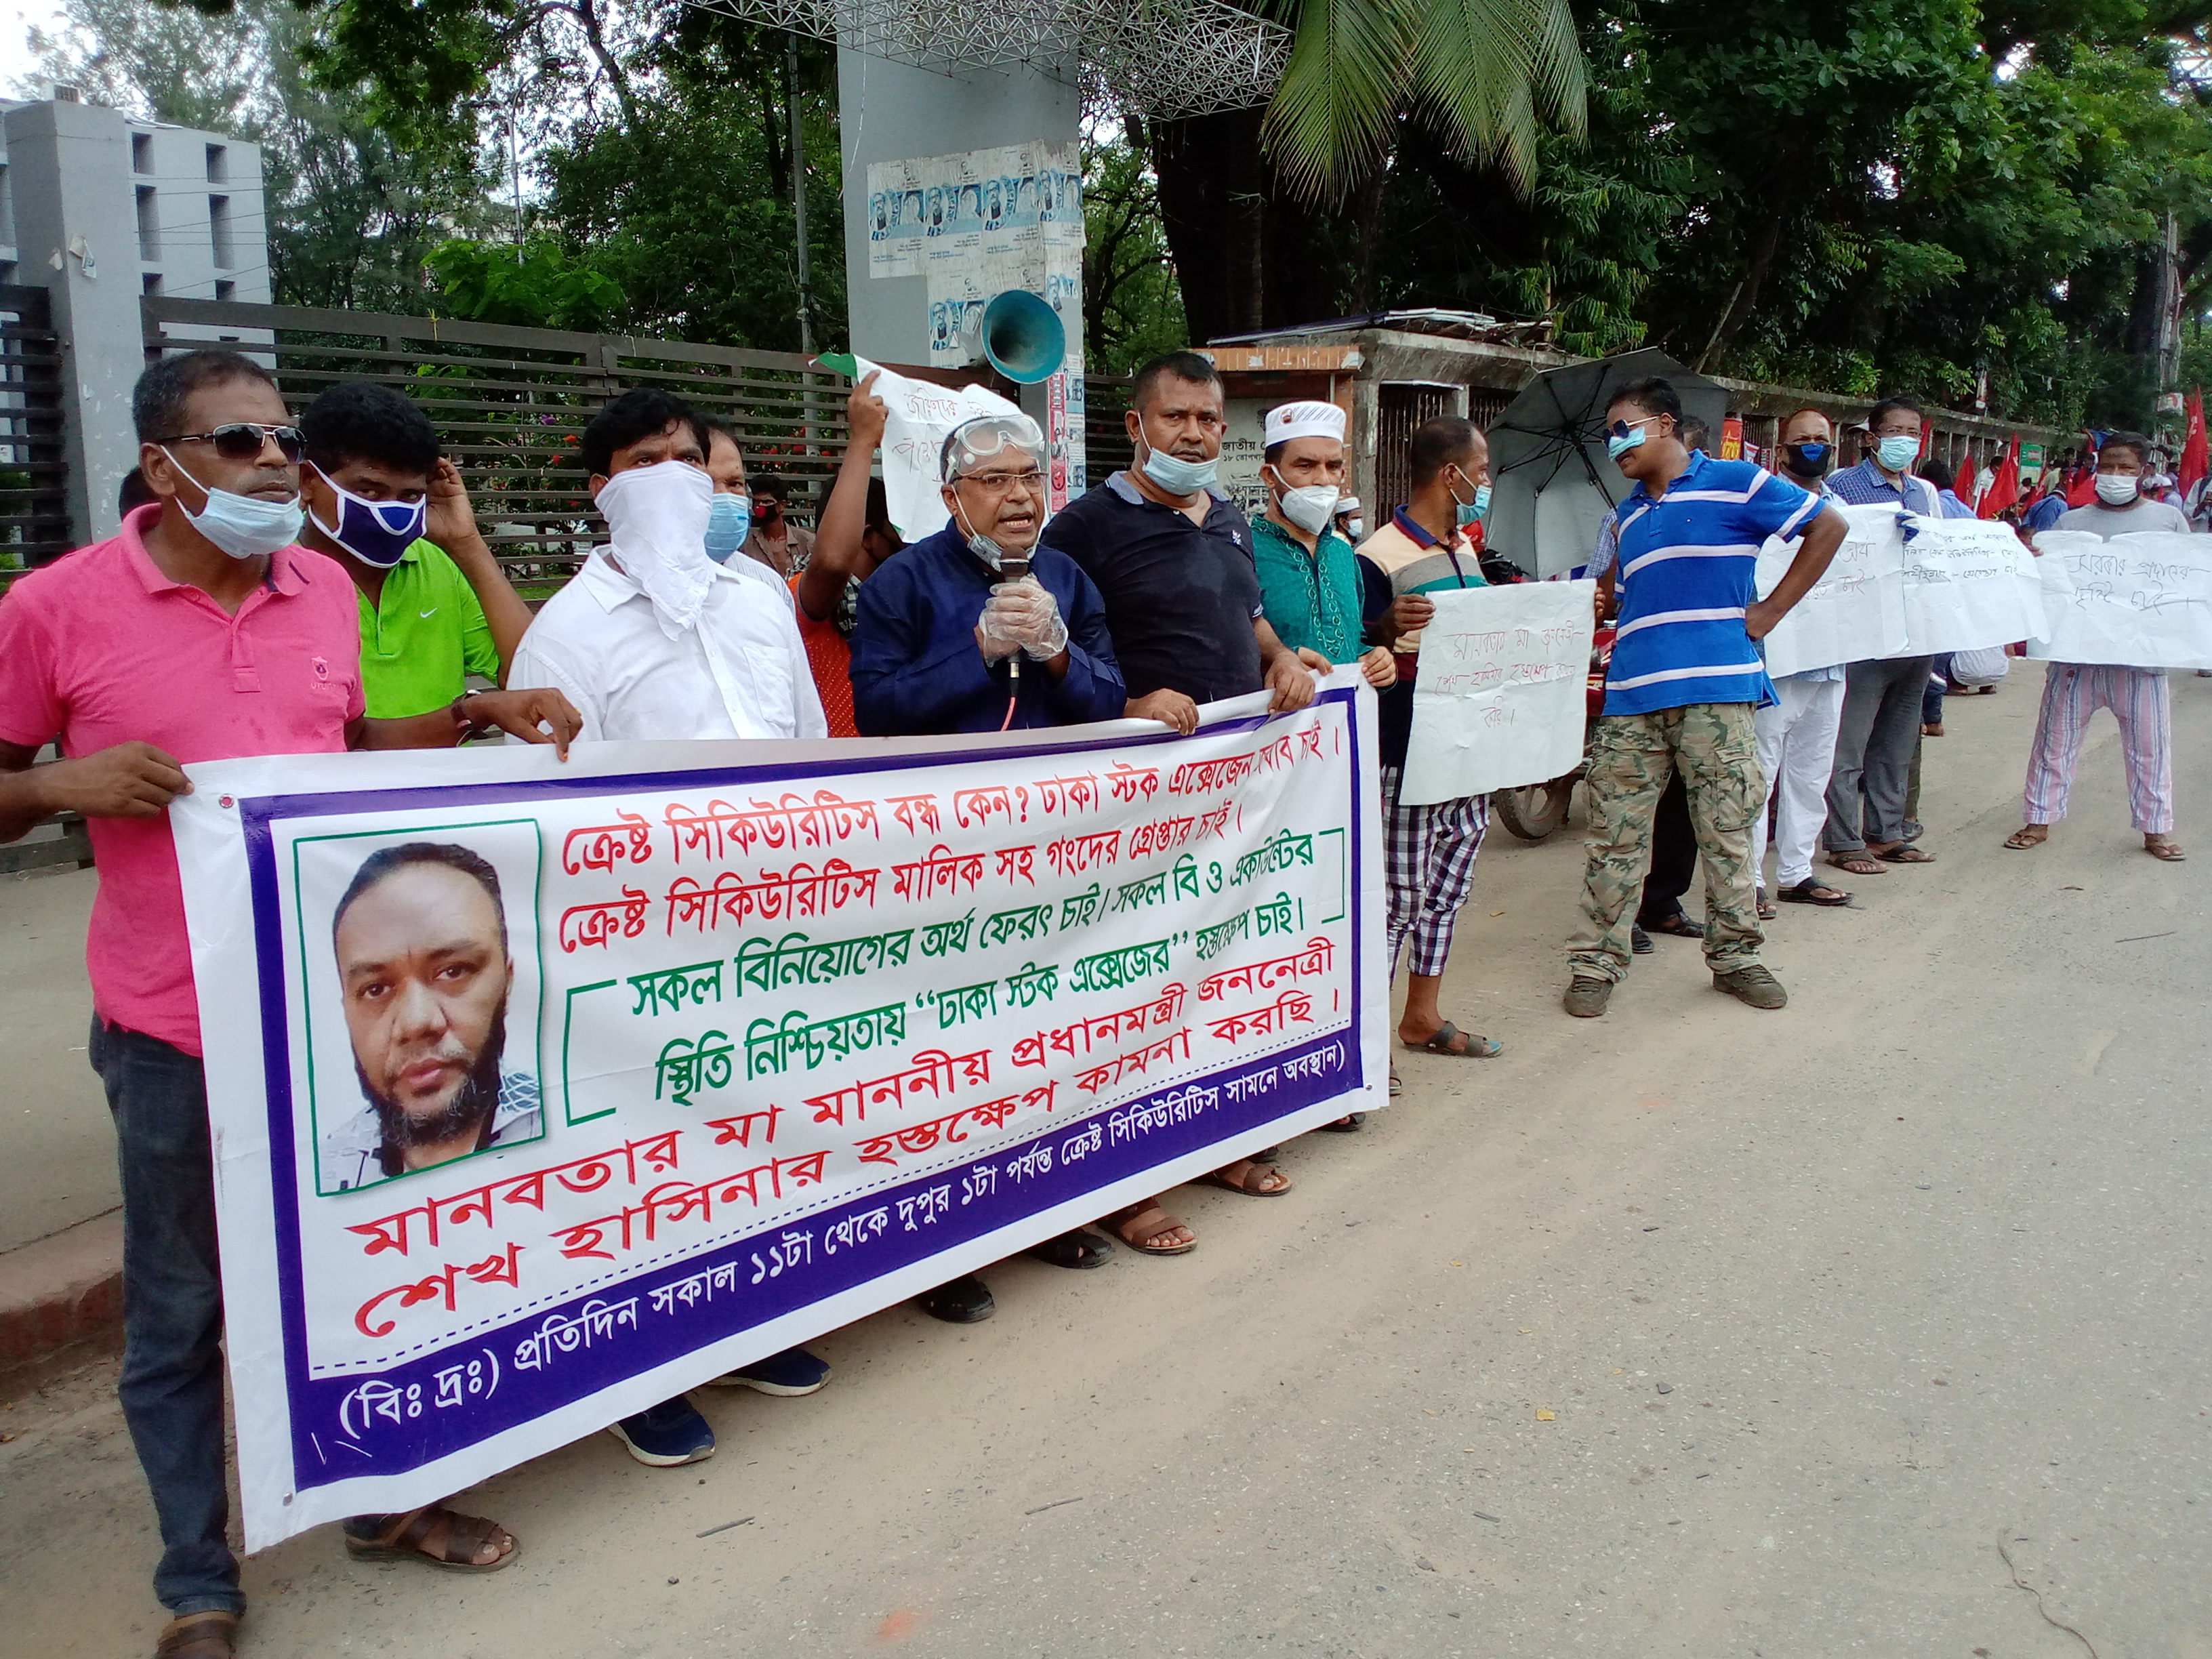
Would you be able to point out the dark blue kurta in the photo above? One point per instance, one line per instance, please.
(916, 668)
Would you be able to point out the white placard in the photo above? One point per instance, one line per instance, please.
(1855, 613)
(1968, 584)
(1503, 690)
(2138, 601)
(921, 415)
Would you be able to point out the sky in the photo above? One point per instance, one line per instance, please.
(17, 17)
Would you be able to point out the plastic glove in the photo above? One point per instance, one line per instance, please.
(1026, 613)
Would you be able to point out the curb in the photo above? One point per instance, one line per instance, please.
(62, 1289)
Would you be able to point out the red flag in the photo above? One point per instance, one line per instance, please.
(2004, 484)
(2196, 453)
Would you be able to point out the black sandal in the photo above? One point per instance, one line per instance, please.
(1678, 925)
(1345, 1125)
(1809, 891)
(1075, 1250)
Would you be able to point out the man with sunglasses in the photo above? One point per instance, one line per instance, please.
(385, 503)
(1682, 684)
(948, 639)
(202, 631)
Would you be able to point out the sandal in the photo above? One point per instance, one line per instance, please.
(1809, 891)
(1858, 864)
(1346, 1125)
(210, 1635)
(1397, 1084)
(1075, 1250)
(437, 1537)
(1140, 1224)
(1678, 925)
(2159, 848)
(2027, 835)
(1903, 852)
(1250, 1170)
(1478, 1048)
(1760, 903)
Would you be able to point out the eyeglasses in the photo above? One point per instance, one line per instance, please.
(242, 440)
(1622, 429)
(1896, 432)
(998, 483)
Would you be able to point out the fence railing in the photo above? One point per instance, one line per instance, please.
(510, 404)
(34, 519)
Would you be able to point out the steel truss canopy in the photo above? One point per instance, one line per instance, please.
(1163, 60)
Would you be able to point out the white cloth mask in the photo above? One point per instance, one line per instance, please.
(2117, 489)
(658, 515)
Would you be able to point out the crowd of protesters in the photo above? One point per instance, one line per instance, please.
(283, 588)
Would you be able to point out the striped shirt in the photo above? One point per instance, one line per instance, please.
(1688, 564)
(1868, 485)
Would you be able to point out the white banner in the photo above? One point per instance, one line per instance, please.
(1968, 583)
(541, 1092)
(1855, 613)
(920, 415)
(2139, 601)
(1501, 698)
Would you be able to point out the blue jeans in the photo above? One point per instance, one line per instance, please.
(173, 1371)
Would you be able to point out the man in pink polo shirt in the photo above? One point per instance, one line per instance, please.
(202, 632)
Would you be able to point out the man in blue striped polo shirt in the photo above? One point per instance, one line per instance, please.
(1685, 679)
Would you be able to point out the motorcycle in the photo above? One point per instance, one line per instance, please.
(1534, 811)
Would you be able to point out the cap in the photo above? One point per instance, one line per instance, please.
(1306, 420)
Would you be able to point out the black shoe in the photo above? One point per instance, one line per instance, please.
(1638, 940)
(963, 1301)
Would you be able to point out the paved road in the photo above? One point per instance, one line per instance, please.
(1827, 1307)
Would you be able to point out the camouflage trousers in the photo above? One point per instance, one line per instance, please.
(1632, 759)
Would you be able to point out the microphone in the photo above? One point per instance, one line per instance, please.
(1014, 567)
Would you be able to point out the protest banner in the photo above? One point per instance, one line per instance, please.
(918, 417)
(2139, 601)
(725, 1045)
(1501, 698)
(1969, 583)
(1855, 613)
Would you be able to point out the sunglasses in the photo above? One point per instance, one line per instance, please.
(1622, 429)
(242, 440)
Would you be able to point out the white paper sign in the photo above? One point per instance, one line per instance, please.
(2140, 601)
(1502, 695)
(1968, 584)
(1856, 611)
(922, 414)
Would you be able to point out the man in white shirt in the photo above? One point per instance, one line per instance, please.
(652, 640)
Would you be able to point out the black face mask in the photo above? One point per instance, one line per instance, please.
(1808, 460)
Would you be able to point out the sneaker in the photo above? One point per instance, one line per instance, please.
(1587, 997)
(1753, 987)
(963, 1301)
(788, 1375)
(670, 1434)
(1638, 940)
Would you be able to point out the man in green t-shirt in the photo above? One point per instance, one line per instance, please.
(435, 608)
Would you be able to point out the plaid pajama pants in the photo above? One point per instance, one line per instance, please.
(2141, 702)
(1429, 866)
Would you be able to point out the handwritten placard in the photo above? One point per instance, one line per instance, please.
(1855, 613)
(1968, 585)
(1502, 695)
(920, 414)
(720, 1046)
(2140, 601)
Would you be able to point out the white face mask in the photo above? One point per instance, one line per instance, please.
(1311, 508)
(244, 527)
(2117, 489)
(658, 516)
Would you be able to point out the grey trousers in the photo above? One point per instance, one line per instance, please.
(1874, 751)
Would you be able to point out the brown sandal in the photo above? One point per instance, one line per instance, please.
(1251, 1168)
(1858, 864)
(437, 1537)
(212, 1635)
(2020, 840)
(2161, 847)
(1138, 1224)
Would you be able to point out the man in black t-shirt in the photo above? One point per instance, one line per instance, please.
(1172, 557)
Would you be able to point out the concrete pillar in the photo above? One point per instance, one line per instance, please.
(70, 172)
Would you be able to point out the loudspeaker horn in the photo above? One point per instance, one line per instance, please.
(1021, 337)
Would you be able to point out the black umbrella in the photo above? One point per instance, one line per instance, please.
(1551, 481)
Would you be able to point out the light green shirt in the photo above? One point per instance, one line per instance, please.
(425, 636)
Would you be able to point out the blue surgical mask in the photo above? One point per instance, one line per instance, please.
(1176, 475)
(244, 527)
(375, 532)
(1475, 511)
(729, 521)
(1898, 453)
(1617, 447)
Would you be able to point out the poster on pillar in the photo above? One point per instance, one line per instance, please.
(542, 1092)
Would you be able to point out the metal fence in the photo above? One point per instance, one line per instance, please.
(511, 403)
(35, 521)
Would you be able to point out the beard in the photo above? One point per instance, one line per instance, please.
(471, 1107)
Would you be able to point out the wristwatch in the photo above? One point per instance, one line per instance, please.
(465, 728)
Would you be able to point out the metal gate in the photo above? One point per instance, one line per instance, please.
(35, 521)
(1401, 406)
